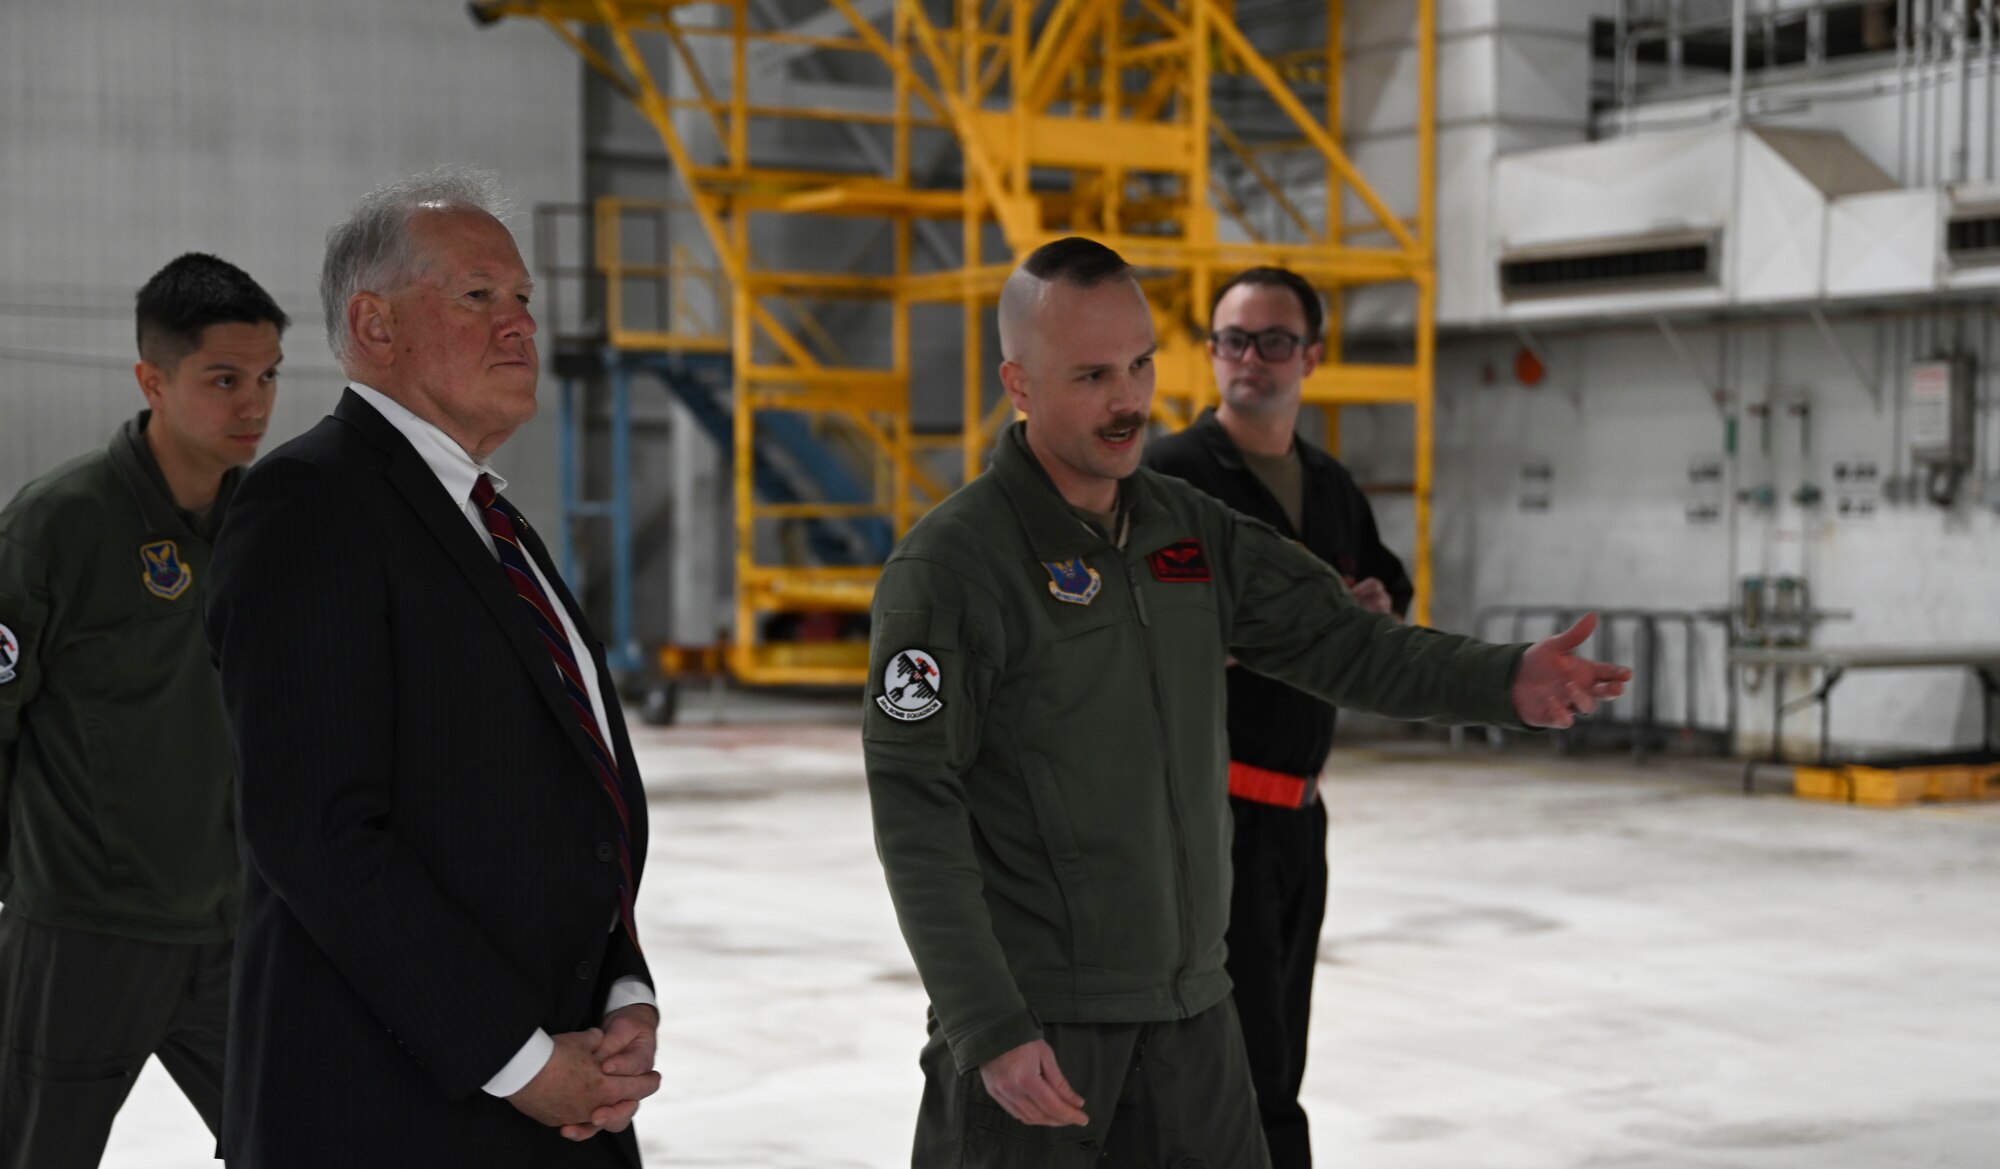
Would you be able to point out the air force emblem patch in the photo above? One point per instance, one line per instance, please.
(166, 577)
(10, 655)
(1072, 580)
(910, 686)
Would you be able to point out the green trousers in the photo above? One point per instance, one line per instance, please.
(80, 1013)
(1168, 1095)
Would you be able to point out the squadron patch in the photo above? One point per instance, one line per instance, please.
(1181, 562)
(1072, 580)
(165, 577)
(10, 655)
(910, 684)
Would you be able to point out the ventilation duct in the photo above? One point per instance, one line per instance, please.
(1972, 236)
(1710, 217)
(1682, 259)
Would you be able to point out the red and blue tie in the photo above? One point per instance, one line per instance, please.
(499, 519)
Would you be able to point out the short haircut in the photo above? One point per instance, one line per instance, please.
(1285, 278)
(372, 250)
(1074, 260)
(187, 296)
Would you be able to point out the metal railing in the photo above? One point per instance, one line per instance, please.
(1637, 638)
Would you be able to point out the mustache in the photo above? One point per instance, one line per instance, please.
(1130, 420)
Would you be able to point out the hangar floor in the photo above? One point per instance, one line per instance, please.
(1529, 963)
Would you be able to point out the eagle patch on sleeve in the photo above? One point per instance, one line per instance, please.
(910, 686)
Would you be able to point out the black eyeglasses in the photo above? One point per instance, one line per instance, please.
(1272, 344)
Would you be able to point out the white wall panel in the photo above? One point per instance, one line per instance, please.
(133, 132)
(1620, 418)
(1542, 77)
(1466, 286)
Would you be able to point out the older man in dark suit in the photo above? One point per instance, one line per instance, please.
(442, 821)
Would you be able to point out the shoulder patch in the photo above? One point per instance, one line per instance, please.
(1181, 562)
(165, 576)
(10, 655)
(910, 685)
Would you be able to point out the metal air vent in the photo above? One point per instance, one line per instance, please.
(1630, 263)
(1973, 236)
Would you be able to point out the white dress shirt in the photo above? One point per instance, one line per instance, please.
(458, 474)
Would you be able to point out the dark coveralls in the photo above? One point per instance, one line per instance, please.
(1278, 742)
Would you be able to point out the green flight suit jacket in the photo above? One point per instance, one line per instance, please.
(1046, 748)
(115, 760)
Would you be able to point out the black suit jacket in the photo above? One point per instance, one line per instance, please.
(1272, 725)
(427, 877)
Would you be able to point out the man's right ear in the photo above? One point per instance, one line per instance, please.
(371, 328)
(1014, 380)
(151, 380)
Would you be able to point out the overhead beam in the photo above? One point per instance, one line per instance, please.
(827, 22)
(930, 235)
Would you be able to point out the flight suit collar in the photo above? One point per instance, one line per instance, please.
(134, 460)
(1054, 531)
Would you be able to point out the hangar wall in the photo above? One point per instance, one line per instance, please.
(134, 132)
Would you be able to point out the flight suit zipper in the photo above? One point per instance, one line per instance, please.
(1181, 898)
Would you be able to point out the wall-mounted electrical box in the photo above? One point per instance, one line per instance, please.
(1940, 425)
(1940, 418)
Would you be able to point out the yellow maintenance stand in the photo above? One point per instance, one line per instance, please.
(1092, 117)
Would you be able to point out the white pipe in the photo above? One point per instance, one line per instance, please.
(1903, 93)
(1983, 458)
(1767, 460)
(1899, 371)
(1934, 82)
(1726, 348)
(1621, 77)
(1939, 43)
(1961, 157)
(1800, 457)
(1920, 50)
(1676, 45)
(1987, 51)
(1738, 19)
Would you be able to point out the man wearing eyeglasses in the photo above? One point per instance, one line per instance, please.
(1264, 341)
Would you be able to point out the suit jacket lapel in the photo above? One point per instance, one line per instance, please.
(420, 488)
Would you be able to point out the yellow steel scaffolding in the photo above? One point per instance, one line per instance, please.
(1067, 117)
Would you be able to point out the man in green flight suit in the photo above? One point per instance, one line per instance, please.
(119, 876)
(1047, 760)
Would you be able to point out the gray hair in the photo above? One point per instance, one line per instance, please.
(371, 250)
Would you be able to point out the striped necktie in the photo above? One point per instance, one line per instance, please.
(499, 520)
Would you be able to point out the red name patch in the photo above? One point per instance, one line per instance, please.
(1181, 562)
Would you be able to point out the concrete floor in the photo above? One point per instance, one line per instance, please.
(1528, 963)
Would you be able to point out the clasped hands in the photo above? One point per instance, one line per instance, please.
(596, 1078)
